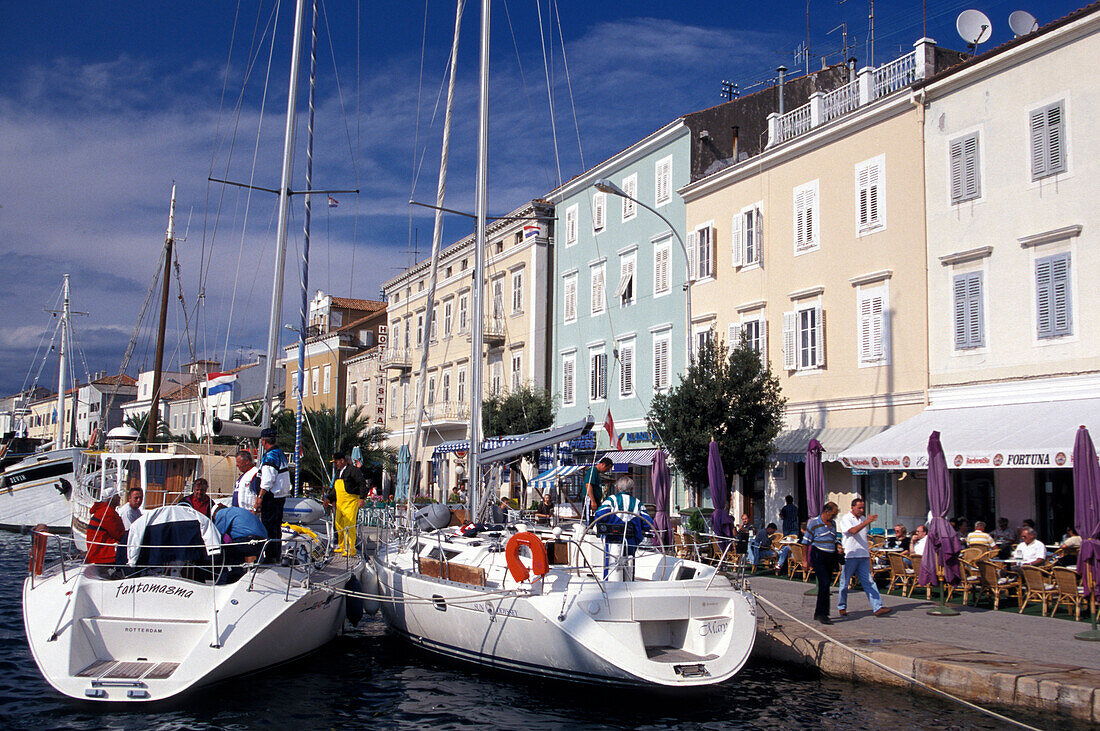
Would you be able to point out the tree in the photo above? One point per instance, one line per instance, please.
(330, 430)
(137, 422)
(519, 411)
(730, 396)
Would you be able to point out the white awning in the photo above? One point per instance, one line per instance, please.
(981, 437)
(790, 445)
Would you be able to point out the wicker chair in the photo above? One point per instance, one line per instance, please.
(995, 585)
(971, 580)
(794, 562)
(684, 545)
(973, 554)
(1068, 590)
(901, 575)
(878, 541)
(1038, 586)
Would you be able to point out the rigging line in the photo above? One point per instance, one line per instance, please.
(46, 355)
(549, 94)
(251, 179)
(526, 92)
(38, 348)
(569, 86)
(340, 96)
(358, 145)
(892, 671)
(183, 303)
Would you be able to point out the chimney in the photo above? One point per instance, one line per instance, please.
(851, 69)
(782, 79)
(734, 130)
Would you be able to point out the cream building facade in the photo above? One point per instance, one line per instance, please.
(515, 327)
(820, 249)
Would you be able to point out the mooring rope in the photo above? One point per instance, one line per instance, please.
(892, 671)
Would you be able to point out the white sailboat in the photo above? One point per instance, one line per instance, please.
(563, 604)
(155, 629)
(37, 489)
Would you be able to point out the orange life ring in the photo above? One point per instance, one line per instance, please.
(38, 549)
(539, 564)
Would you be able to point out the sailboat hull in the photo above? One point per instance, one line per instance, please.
(38, 490)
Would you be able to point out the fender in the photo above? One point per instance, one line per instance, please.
(39, 537)
(539, 564)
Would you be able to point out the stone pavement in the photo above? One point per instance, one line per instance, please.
(991, 658)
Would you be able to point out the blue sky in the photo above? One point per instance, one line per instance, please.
(104, 104)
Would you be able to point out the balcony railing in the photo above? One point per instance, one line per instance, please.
(495, 328)
(441, 411)
(869, 85)
(396, 358)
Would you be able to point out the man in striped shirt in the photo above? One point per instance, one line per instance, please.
(620, 529)
(821, 536)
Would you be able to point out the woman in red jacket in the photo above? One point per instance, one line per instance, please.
(105, 530)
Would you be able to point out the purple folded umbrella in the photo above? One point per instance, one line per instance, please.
(1086, 502)
(661, 482)
(815, 479)
(719, 493)
(943, 544)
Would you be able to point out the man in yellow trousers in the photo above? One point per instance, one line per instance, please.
(347, 496)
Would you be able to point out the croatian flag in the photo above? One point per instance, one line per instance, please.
(220, 383)
(529, 230)
(609, 426)
(332, 202)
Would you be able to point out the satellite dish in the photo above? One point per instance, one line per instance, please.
(974, 27)
(1022, 22)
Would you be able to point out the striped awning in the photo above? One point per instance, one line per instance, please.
(547, 478)
(625, 458)
(546, 454)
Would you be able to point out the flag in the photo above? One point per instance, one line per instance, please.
(332, 202)
(609, 426)
(529, 230)
(219, 383)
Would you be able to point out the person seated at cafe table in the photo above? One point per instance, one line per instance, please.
(978, 538)
(761, 546)
(545, 508)
(899, 539)
(916, 546)
(1030, 551)
(455, 498)
(1003, 535)
(1071, 543)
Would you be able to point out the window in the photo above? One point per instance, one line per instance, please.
(445, 381)
(702, 338)
(420, 329)
(663, 180)
(448, 314)
(1048, 141)
(463, 313)
(517, 291)
(700, 245)
(755, 331)
(597, 275)
(660, 269)
(747, 244)
(408, 328)
(805, 218)
(1052, 301)
(965, 173)
(803, 339)
(630, 187)
(353, 393)
(568, 379)
(870, 180)
(571, 225)
(626, 368)
(969, 316)
(395, 328)
(661, 375)
(517, 371)
(597, 381)
(461, 385)
(625, 292)
(405, 403)
(326, 381)
(314, 378)
(874, 338)
(434, 330)
(570, 299)
(599, 211)
(498, 297)
(431, 389)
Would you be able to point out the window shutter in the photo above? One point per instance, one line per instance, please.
(790, 340)
(1044, 315)
(733, 336)
(758, 236)
(764, 341)
(956, 171)
(864, 186)
(626, 364)
(819, 337)
(873, 176)
(800, 220)
(1060, 300)
(975, 312)
(735, 240)
(866, 330)
(599, 202)
(811, 216)
(660, 363)
(1038, 127)
(971, 181)
(962, 314)
(598, 290)
(592, 387)
(692, 242)
(1056, 158)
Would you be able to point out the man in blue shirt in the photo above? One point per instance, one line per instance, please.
(238, 528)
(274, 489)
(788, 515)
(821, 536)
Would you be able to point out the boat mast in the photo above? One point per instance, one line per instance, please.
(479, 269)
(284, 214)
(437, 238)
(158, 359)
(62, 363)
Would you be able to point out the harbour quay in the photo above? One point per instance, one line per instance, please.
(996, 659)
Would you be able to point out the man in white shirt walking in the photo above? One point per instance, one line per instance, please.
(852, 527)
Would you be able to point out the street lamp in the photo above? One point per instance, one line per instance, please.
(604, 185)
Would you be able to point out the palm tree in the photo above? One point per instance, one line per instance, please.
(335, 430)
(137, 423)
